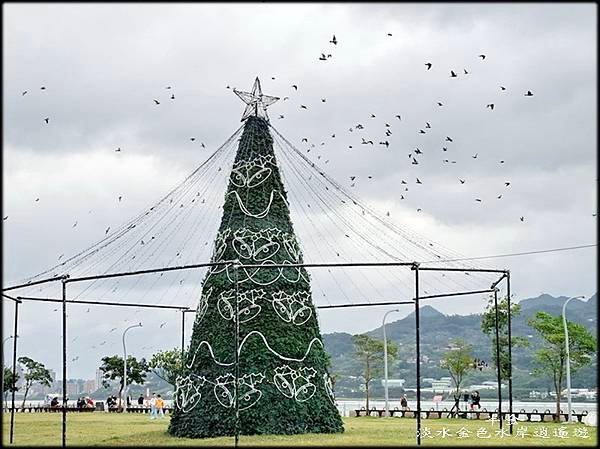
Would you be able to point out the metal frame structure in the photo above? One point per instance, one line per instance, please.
(236, 265)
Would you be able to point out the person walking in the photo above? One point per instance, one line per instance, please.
(153, 406)
(160, 404)
(403, 402)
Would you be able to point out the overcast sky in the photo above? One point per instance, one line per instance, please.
(103, 65)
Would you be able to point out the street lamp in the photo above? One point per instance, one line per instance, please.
(125, 368)
(564, 309)
(385, 363)
(4, 341)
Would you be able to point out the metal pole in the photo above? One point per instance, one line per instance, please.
(124, 395)
(182, 334)
(510, 394)
(237, 356)
(568, 360)
(385, 363)
(64, 348)
(498, 362)
(418, 348)
(14, 369)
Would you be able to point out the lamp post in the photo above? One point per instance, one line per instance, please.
(124, 398)
(564, 309)
(4, 341)
(385, 363)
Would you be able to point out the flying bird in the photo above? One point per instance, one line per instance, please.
(499, 196)
(47, 119)
(112, 330)
(427, 125)
(452, 74)
(294, 86)
(399, 117)
(522, 218)
(421, 131)
(168, 87)
(529, 94)
(444, 149)
(482, 57)
(24, 93)
(162, 324)
(419, 181)
(428, 64)
(333, 40)
(118, 150)
(43, 88)
(507, 184)
(502, 88)
(389, 34)
(304, 139)
(281, 116)
(323, 100)
(465, 70)
(74, 224)
(475, 156)
(322, 57)
(156, 101)
(491, 106)
(440, 103)
(478, 199)
(448, 139)
(417, 151)
(192, 138)
(107, 229)
(462, 181)
(303, 107)
(172, 96)
(502, 162)
(5, 218)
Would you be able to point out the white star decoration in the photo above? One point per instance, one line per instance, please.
(256, 102)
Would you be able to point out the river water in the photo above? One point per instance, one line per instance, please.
(347, 406)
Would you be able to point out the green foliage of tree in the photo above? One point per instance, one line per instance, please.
(458, 362)
(167, 365)
(370, 352)
(10, 382)
(488, 327)
(551, 358)
(34, 372)
(113, 369)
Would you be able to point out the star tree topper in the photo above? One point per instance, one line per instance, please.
(256, 102)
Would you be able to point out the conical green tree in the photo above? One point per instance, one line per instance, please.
(284, 385)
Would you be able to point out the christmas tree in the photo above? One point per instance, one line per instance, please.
(284, 385)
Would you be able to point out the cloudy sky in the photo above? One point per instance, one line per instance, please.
(103, 65)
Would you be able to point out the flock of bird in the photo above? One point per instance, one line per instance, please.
(414, 155)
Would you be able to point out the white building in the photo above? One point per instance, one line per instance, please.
(393, 383)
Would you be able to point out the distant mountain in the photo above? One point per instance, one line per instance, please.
(438, 329)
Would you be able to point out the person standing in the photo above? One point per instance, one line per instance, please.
(141, 400)
(160, 404)
(153, 406)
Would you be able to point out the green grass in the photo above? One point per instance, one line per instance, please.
(104, 429)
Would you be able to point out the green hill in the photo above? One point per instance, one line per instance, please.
(437, 329)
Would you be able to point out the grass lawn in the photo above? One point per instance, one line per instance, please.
(104, 429)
